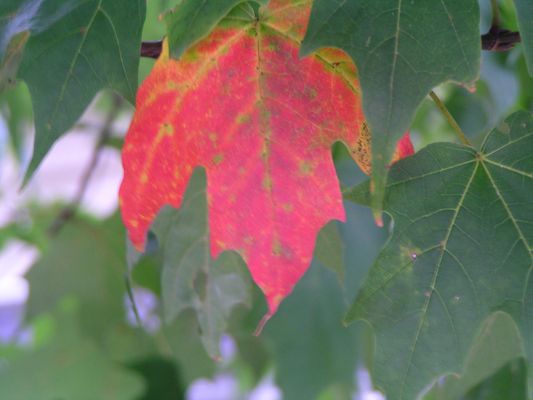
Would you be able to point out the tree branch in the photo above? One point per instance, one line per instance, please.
(496, 39)
(151, 49)
(69, 211)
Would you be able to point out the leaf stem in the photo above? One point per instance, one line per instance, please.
(495, 13)
(453, 123)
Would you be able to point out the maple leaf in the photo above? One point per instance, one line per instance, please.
(261, 121)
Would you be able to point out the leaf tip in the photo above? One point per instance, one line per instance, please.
(378, 217)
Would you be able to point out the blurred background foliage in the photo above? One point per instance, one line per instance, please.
(78, 336)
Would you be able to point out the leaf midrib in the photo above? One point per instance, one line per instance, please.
(434, 279)
(74, 61)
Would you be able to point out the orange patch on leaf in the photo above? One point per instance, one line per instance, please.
(261, 121)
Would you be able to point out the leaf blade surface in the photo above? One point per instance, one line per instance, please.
(461, 249)
(261, 121)
(402, 50)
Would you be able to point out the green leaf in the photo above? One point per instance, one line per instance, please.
(192, 20)
(510, 382)
(312, 349)
(190, 277)
(329, 249)
(93, 45)
(187, 348)
(10, 64)
(35, 16)
(15, 107)
(161, 378)
(461, 248)
(402, 50)
(497, 345)
(96, 280)
(70, 367)
(524, 13)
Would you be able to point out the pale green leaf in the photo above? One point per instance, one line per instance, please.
(190, 277)
(192, 20)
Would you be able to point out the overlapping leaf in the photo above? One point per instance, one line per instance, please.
(461, 248)
(190, 277)
(262, 122)
(402, 50)
(524, 13)
(192, 20)
(497, 349)
(70, 366)
(97, 281)
(75, 49)
(312, 349)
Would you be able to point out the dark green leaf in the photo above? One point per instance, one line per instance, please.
(192, 20)
(402, 50)
(70, 367)
(524, 12)
(93, 45)
(35, 16)
(161, 379)
(312, 349)
(182, 335)
(10, 64)
(96, 280)
(190, 277)
(461, 248)
(510, 382)
(329, 249)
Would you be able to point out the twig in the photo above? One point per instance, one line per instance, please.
(497, 39)
(495, 13)
(69, 211)
(453, 123)
(151, 49)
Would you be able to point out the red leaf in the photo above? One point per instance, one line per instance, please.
(261, 122)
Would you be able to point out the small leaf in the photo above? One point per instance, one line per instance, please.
(192, 20)
(402, 49)
(461, 248)
(190, 277)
